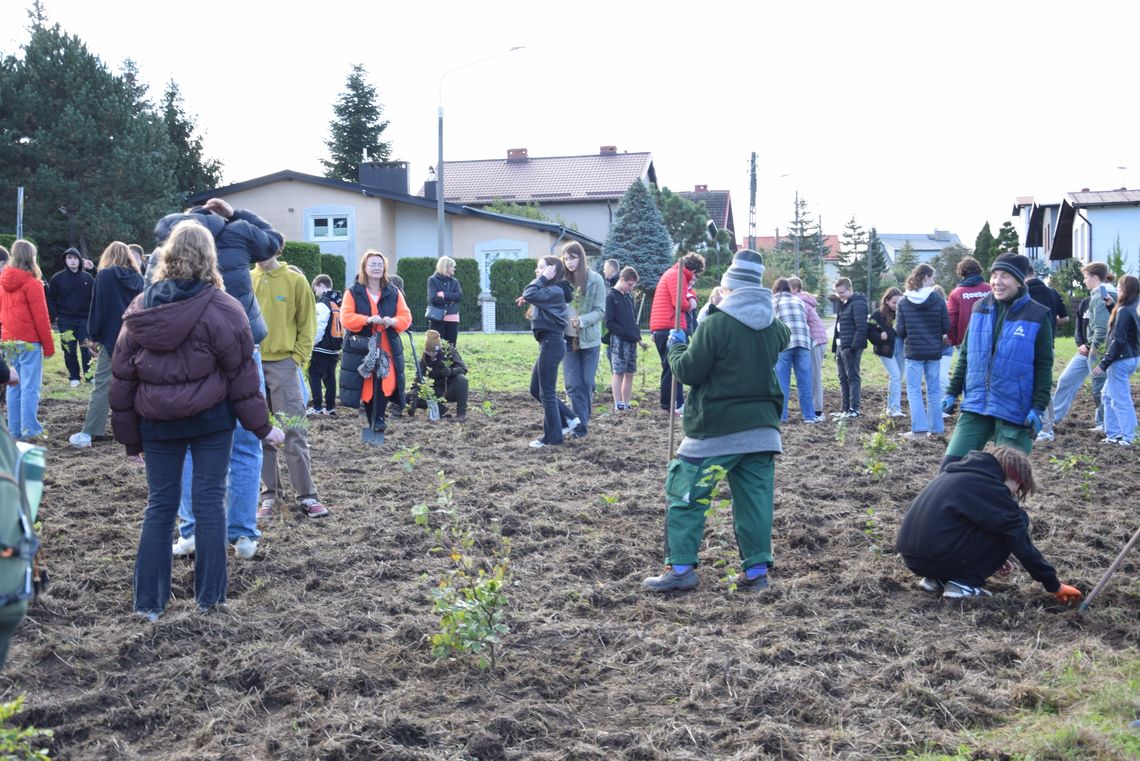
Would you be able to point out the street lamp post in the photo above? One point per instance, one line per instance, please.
(439, 217)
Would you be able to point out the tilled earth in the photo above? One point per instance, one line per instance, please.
(323, 651)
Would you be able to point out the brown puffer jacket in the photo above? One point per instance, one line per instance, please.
(180, 358)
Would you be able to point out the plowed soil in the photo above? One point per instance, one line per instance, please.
(323, 650)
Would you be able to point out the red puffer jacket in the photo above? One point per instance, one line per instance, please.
(664, 309)
(183, 357)
(23, 309)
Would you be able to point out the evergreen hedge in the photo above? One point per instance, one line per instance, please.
(335, 267)
(508, 279)
(48, 264)
(306, 256)
(415, 271)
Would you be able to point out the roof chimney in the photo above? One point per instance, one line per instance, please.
(1084, 190)
(516, 155)
(607, 150)
(701, 189)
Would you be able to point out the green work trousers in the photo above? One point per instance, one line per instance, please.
(688, 488)
(10, 618)
(973, 431)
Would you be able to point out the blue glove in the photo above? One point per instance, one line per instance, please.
(677, 337)
(948, 403)
(1033, 419)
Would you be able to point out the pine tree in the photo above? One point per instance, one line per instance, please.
(638, 237)
(857, 249)
(803, 245)
(984, 247)
(945, 266)
(1007, 241)
(76, 139)
(356, 129)
(193, 172)
(1116, 259)
(685, 220)
(905, 261)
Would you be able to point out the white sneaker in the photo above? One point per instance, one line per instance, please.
(184, 546)
(1097, 429)
(74, 383)
(957, 590)
(680, 411)
(245, 547)
(930, 585)
(537, 444)
(79, 440)
(571, 424)
(1045, 436)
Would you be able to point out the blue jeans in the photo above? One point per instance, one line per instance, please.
(544, 386)
(578, 371)
(928, 419)
(893, 366)
(1119, 413)
(211, 454)
(24, 399)
(798, 358)
(1070, 382)
(944, 366)
(243, 482)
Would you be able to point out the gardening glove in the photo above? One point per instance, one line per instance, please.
(1067, 594)
(1033, 419)
(948, 403)
(677, 337)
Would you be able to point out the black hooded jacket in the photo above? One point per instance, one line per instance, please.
(115, 288)
(965, 523)
(69, 294)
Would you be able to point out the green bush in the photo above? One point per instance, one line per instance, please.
(415, 271)
(306, 256)
(48, 263)
(334, 266)
(508, 279)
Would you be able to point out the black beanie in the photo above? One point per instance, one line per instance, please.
(1015, 264)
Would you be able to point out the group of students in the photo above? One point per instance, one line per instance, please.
(963, 527)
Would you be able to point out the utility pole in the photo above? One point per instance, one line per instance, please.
(798, 232)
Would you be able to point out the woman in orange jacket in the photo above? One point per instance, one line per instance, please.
(373, 306)
(24, 315)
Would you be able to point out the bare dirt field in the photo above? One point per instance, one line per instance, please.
(323, 651)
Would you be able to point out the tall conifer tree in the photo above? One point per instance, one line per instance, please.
(355, 129)
(638, 237)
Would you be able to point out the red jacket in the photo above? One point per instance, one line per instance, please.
(178, 359)
(960, 304)
(664, 310)
(23, 309)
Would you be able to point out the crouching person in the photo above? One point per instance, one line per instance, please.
(962, 528)
(442, 366)
(731, 422)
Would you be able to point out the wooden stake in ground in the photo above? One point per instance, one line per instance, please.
(1108, 574)
(676, 326)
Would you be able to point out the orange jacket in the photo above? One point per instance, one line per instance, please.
(23, 309)
(356, 322)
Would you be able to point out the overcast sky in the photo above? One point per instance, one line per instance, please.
(907, 115)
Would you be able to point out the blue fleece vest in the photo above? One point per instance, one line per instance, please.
(999, 383)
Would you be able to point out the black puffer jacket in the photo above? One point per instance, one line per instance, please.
(921, 323)
(452, 293)
(69, 294)
(851, 324)
(877, 324)
(242, 241)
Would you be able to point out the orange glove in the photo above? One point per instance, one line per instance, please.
(1067, 594)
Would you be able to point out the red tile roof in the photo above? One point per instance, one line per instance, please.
(545, 179)
(768, 243)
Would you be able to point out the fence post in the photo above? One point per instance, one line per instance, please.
(487, 304)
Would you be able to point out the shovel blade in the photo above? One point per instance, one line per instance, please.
(369, 436)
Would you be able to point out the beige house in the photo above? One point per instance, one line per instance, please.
(348, 218)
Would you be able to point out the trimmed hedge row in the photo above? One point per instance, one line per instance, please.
(334, 266)
(306, 256)
(415, 271)
(508, 278)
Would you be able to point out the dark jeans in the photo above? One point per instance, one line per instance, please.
(579, 369)
(660, 339)
(78, 328)
(322, 374)
(544, 386)
(448, 331)
(456, 391)
(850, 383)
(211, 459)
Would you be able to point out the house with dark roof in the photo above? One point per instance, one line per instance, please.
(581, 191)
(719, 205)
(1085, 225)
(347, 218)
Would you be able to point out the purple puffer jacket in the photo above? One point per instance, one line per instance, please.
(177, 359)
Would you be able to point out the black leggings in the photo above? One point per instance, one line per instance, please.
(448, 331)
(322, 373)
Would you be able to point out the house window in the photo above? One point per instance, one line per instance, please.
(330, 227)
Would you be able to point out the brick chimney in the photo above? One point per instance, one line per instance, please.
(516, 156)
(607, 150)
(701, 189)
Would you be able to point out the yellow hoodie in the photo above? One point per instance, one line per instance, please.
(290, 312)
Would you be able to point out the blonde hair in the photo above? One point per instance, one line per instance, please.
(362, 276)
(118, 254)
(441, 265)
(189, 254)
(24, 257)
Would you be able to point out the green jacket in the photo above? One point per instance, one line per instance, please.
(290, 311)
(730, 365)
(591, 310)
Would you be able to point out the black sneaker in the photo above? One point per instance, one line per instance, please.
(671, 581)
(744, 584)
